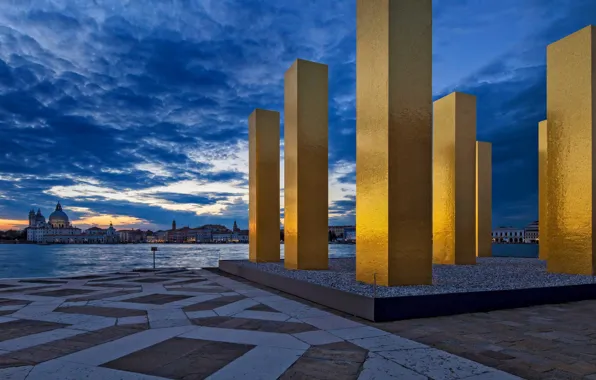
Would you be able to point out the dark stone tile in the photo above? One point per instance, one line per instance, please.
(43, 281)
(3, 286)
(343, 351)
(254, 325)
(150, 280)
(94, 297)
(145, 270)
(191, 281)
(205, 289)
(261, 307)
(27, 290)
(56, 349)
(157, 299)
(214, 303)
(6, 362)
(24, 327)
(109, 285)
(316, 369)
(102, 311)
(63, 292)
(9, 302)
(85, 277)
(109, 279)
(180, 358)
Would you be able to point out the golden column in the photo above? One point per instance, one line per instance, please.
(305, 170)
(570, 166)
(454, 179)
(263, 185)
(542, 184)
(484, 196)
(394, 142)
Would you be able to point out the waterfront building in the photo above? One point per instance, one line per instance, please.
(132, 236)
(96, 235)
(531, 233)
(222, 236)
(57, 230)
(350, 234)
(339, 231)
(508, 235)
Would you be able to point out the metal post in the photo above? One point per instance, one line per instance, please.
(153, 249)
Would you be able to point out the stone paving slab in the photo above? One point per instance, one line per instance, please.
(197, 324)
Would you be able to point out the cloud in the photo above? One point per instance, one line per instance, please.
(139, 109)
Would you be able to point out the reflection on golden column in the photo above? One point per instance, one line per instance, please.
(542, 202)
(570, 166)
(263, 185)
(484, 195)
(394, 142)
(454, 179)
(305, 170)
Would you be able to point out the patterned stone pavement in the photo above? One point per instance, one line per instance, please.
(196, 324)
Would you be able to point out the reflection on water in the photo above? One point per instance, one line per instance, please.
(30, 260)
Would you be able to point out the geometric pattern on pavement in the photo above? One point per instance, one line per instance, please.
(195, 324)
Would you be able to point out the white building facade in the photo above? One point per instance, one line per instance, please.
(508, 235)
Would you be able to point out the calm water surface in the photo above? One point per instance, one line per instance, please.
(30, 260)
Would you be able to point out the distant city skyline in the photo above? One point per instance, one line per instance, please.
(136, 113)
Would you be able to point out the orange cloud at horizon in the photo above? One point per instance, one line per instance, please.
(13, 224)
(105, 220)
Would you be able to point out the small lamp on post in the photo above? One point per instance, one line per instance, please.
(153, 249)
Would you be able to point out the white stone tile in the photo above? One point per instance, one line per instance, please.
(11, 307)
(95, 324)
(255, 293)
(193, 300)
(37, 339)
(63, 370)
(201, 314)
(132, 320)
(331, 322)
(235, 307)
(379, 368)
(75, 303)
(106, 352)
(16, 373)
(260, 363)
(495, 375)
(435, 364)
(257, 338)
(125, 305)
(263, 315)
(358, 332)
(317, 337)
(387, 343)
(291, 308)
(159, 319)
(71, 319)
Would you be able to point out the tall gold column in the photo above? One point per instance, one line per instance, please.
(263, 185)
(394, 142)
(570, 165)
(454, 179)
(305, 173)
(542, 185)
(484, 196)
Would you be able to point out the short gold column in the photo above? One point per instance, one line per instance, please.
(542, 184)
(570, 166)
(484, 196)
(263, 186)
(305, 166)
(454, 179)
(394, 142)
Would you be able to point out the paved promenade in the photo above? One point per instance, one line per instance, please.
(183, 324)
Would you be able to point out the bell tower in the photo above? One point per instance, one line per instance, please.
(173, 225)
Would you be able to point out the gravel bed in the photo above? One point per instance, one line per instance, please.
(491, 273)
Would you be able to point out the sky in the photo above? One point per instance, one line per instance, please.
(136, 112)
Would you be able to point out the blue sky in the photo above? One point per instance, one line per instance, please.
(136, 111)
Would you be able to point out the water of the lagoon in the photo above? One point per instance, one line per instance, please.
(30, 260)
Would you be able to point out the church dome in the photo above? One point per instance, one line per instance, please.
(59, 218)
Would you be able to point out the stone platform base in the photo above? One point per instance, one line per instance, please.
(338, 289)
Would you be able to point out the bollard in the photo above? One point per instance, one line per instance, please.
(153, 249)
